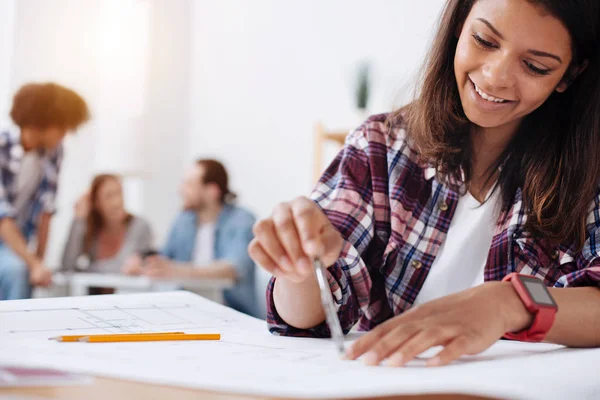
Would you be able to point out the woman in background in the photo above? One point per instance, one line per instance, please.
(104, 237)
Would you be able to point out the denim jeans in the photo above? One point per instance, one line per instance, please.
(14, 276)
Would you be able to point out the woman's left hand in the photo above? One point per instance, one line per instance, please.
(133, 266)
(464, 323)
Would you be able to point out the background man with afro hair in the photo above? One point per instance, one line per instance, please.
(30, 161)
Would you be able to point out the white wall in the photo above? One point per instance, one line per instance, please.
(167, 125)
(263, 72)
(7, 41)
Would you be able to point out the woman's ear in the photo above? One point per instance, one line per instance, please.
(570, 76)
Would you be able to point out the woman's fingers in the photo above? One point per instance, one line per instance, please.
(453, 350)
(297, 232)
(318, 236)
(417, 344)
(383, 343)
(408, 320)
(262, 258)
(310, 221)
(285, 228)
(266, 234)
(264, 231)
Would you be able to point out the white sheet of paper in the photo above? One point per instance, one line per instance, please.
(248, 360)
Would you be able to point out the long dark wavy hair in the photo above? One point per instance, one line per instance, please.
(554, 158)
(95, 222)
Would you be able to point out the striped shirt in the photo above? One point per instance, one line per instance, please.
(394, 215)
(43, 197)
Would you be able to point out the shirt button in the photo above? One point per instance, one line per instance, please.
(416, 264)
(555, 255)
(443, 206)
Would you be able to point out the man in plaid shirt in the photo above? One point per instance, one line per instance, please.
(29, 170)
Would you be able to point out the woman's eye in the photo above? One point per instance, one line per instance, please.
(482, 42)
(536, 70)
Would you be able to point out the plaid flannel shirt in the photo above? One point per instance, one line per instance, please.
(394, 215)
(43, 200)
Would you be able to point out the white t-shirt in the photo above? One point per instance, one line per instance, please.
(204, 251)
(461, 260)
(28, 179)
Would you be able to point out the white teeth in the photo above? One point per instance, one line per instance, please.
(487, 96)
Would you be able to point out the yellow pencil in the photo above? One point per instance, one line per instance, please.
(149, 338)
(75, 338)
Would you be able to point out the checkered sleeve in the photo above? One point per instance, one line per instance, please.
(6, 207)
(345, 194)
(585, 266)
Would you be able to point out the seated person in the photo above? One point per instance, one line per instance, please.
(30, 160)
(209, 238)
(104, 236)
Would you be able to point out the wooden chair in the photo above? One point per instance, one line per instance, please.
(322, 136)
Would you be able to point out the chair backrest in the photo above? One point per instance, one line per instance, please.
(321, 137)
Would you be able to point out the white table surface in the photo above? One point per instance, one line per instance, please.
(78, 284)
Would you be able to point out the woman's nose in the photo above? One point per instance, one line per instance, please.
(499, 73)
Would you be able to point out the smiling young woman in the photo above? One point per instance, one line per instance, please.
(427, 213)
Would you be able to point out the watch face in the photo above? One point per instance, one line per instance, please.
(538, 291)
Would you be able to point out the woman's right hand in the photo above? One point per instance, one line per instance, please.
(297, 232)
(83, 206)
(133, 266)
